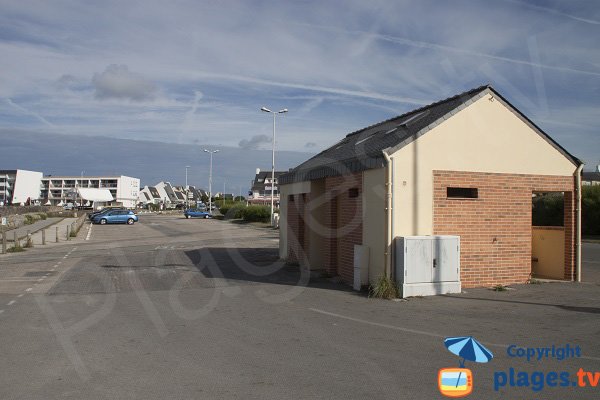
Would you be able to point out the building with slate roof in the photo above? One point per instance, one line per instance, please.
(466, 166)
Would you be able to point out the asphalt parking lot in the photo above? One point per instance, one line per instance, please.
(202, 309)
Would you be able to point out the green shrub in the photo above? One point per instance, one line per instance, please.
(548, 210)
(499, 288)
(29, 219)
(590, 210)
(16, 248)
(233, 210)
(43, 216)
(384, 288)
(257, 214)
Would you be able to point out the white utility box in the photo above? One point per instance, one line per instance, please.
(361, 266)
(427, 265)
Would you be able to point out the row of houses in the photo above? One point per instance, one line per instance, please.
(169, 195)
(22, 187)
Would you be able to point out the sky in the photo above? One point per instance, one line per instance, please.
(198, 72)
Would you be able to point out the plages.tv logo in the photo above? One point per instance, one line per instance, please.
(458, 382)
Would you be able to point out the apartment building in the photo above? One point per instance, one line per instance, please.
(59, 190)
(19, 186)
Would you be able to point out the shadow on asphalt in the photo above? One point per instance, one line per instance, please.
(259, 265)
(590, 310)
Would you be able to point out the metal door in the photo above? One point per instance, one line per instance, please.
(418, 260)
(445, 259)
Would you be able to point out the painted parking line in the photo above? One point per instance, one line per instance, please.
(408, 330)
(1, 311)
(10, 303)
(362, 321)
(89, 234)
(28, 289)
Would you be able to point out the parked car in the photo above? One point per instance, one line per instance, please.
(116, 217)
(196, 213)
(103, 211)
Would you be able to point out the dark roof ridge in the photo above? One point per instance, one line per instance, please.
(424, 108)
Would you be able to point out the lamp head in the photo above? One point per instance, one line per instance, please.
(283, 111)
(265, 109)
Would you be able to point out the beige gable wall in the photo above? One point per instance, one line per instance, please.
(486, 136)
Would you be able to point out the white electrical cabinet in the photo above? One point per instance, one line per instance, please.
(361, 266)
(427, 265)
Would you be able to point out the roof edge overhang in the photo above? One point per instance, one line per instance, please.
(339, 168)
(487, 91)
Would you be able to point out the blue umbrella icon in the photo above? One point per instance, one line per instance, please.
(469, 349)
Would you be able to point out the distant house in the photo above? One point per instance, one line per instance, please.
(260, 192)
(149, 195)
(591, 178)
(167, 195)
(465, 166)
(197, 194)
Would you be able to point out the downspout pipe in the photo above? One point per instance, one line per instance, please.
(389, 218)
(578, 223)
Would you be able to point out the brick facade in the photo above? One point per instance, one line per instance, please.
(495, 228)
(344, 220)
(343, 225)
(297, 239)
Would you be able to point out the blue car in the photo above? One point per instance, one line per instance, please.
(196, 213)
(116, 217)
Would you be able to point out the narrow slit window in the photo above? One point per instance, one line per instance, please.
(291, 198)
(353, 192)
(462, 193)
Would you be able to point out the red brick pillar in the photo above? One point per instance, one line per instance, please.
(292, 229)
(331, 240)
(570, 245)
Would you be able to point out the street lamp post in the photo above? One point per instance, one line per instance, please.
(187, 190)
(265, 109)
(211, 152)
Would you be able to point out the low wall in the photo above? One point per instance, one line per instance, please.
(16, 220)
(18, 210)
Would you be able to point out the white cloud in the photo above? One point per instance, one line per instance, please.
(117, 82)
(201, 71)
(254, 142)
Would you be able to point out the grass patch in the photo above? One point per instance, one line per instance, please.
(43, 216)
(384, 288)
(534, 281)
(590, 238)
(499, 288)
(15, 249)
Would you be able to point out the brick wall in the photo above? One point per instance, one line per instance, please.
(495, 228)
(295, 226)
(344, 220)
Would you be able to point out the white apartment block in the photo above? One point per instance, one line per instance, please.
(18, 186)
(59, 190)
